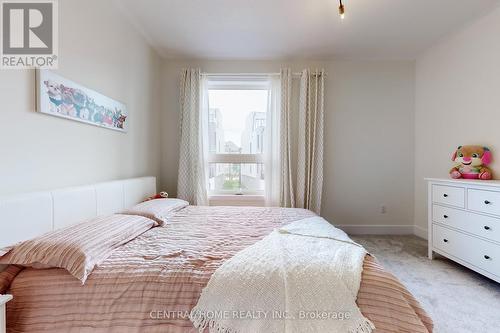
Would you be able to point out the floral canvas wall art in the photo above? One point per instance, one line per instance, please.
(61, 97)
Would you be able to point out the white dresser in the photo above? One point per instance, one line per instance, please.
(464, 223)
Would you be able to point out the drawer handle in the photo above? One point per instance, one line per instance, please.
(487, 257)
(445, 216)
(445, 195)
(445, 240)
(486, 227)
(486, 202)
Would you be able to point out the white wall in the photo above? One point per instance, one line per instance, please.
(101, 50)
(369, 145)
(369, 135)
(457, 103)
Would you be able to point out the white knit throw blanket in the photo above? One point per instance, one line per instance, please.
(301, 278)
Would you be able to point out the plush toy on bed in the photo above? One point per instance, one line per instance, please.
(161, 195)
(472, 163)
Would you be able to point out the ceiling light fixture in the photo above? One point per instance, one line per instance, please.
(341, 10)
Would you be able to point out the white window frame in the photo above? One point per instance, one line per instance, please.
(237, 82)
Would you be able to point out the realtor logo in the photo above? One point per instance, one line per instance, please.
(29, 34)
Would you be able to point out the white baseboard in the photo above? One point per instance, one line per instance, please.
(420, 232)
(377, 229)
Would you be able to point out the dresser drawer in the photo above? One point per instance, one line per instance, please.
(449, 195)
(484, 201)
(484, 226)
(479, 253)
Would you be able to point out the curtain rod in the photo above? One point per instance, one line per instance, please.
(255, 74)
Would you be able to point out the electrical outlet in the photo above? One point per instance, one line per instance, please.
(383, 209)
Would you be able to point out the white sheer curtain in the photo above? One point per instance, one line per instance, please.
(277, 149)
(287, 198)
(272, 162)
(310, 141)
(192, 178)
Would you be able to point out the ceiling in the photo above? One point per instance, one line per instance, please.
(286, 29)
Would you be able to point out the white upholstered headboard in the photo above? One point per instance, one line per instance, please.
(29, 215)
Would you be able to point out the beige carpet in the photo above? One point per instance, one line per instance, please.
(458, 299)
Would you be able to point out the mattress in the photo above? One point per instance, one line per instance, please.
(151, 283)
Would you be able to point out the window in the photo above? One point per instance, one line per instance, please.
(237, 111)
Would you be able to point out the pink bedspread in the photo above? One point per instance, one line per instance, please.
(151, 283)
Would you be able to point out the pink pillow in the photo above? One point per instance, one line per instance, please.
(80, 247)
(157, 209)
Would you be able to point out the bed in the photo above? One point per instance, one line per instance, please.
(152, 282)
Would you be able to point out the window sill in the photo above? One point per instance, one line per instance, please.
(236, 200)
